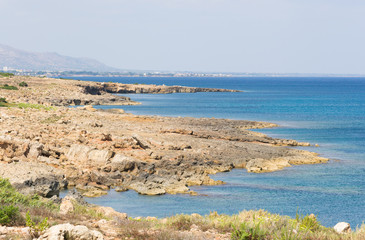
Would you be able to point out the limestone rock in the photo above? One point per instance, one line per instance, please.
(111, 213)
(34, 178)
(88, 155)
(69, 231)
(94, 193)
(342, 227)
(66, 205)
(121, 189)
(265, 165)
(147, 189)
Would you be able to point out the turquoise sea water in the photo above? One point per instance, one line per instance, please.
(326, 111)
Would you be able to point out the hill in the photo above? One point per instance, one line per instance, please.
(18, 59)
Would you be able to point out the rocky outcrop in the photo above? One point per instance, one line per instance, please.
(69, 231)
(33, 178)
(147, 88)
(60, 92)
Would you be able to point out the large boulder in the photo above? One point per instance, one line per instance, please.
(68, 231)
(34, 178)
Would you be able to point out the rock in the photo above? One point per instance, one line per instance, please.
(121, 189)
(312, 216)
(147, 189)
(78, 153)
(94, 193)
(66, 205)
(151, 218)
(90, 108)
(19, 232)
(34, 178)
(265, 165)
(106, 137)
(35, 150)
(88, 155)
(56, 199)
(122, 163)
(111, 213)
(99, 157)
(69, 231)
(342, 227)
(76, 196)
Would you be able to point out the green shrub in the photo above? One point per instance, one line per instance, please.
(4, 74)
(23, 84)
(36, 229)
(3, 100)
(8, 214)
(307, 223)
(9, 196)
(248, 232)
(8, 87)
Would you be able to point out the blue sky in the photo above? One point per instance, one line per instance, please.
(284, 36)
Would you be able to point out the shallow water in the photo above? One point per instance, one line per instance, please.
(326, 111)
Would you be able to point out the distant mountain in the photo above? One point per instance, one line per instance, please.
(19, 59)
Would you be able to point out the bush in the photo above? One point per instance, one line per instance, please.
(4, 74)
(3, 100)
(8, 214)
(8, 87)
(36, 229)
(23, 84)
(247, 232)
(9, 196)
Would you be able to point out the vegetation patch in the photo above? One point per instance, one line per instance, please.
(4, 103)
(12, 202)
(8, 87)
(23, 84)
(5, 74)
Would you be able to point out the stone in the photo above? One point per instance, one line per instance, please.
(34, 178)
(121, 189)
(77, 197)
(342, 227)
(111, 213)
(69, 231)
(67, 205)
(99, 157)
(94, 193)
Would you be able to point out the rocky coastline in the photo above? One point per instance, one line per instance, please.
(46, 146)
(95, 150)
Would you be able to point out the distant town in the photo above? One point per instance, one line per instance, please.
(137, 73)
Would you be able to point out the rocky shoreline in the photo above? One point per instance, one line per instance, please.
(95, 150)
(46, 149)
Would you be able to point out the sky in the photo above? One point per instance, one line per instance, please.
(263, 36)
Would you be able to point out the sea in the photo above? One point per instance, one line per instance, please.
(326, 111)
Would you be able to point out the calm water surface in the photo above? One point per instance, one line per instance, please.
(326, 111)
